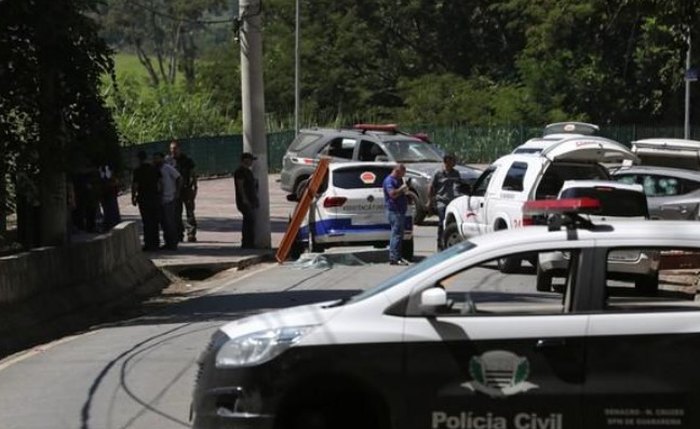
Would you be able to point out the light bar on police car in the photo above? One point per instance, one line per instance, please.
(566, 205)
(390, 128)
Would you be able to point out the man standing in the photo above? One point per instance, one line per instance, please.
(443, 189)
(396, 204)
(246, 198)
(170, 184)
(185, 166)
(144, 193)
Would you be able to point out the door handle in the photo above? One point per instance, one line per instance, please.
(481, 204)
(550, 343)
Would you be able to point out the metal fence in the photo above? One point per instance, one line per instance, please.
(216, 156)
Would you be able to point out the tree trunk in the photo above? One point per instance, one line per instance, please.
(53, 229)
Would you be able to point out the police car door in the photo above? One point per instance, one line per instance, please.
(643, 346)
(499, 354)
(473, 213)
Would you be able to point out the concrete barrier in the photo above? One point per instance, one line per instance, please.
(54, 290)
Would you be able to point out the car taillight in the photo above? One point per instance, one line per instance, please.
(334, 202)
(528, 221)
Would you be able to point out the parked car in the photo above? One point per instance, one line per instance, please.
(350, 210)
(618, 202)
(497, 197)
(670, 175)
(452, 343)
(383, 143)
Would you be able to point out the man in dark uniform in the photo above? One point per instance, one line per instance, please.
(443, 189)
(144, 193)
(247, 198)
(188, 193)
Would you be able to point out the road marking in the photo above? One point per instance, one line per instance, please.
(41, 348)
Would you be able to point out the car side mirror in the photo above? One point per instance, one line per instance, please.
(433, 297)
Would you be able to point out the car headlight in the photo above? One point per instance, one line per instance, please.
(259, 347)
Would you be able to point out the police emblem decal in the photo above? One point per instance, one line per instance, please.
(499, 373)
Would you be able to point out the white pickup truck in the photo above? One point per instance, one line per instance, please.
(496, 199)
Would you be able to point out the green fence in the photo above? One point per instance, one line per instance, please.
(216, 156)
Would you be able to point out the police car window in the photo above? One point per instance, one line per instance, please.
(360, 177)
(302, 141)
(341, 147)
(518, 284)
(651, 280)
(413, 151)
(559, 172)
(515, 176)
(482, 183)
(613, 202)
(413, 270)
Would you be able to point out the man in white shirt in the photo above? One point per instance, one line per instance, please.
(170, 185)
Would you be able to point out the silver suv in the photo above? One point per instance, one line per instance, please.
(369, 143)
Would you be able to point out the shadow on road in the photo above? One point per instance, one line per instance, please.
(230, 307)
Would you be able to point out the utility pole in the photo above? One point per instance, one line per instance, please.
(253, 107)
(686, 128)
(296, 69)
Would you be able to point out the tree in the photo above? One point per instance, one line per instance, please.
(161, 32)
(50, 104)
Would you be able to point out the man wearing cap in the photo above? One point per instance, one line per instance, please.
(247, 198)
(443, 189)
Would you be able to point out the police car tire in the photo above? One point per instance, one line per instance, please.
(544, 280)
(407, 249)
(418, 209)
(451, 235)
(300, 187)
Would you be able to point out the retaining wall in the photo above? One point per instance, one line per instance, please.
(50, 291)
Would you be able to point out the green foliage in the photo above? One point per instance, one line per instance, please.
(144, 113)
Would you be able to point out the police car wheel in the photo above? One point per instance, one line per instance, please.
(300, 187)
(451, 235)
(544, 280)
(418, 209)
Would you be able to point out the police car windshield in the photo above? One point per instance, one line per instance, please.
(412, 151)
(412, 271)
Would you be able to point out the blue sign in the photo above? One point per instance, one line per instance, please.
(691, 74)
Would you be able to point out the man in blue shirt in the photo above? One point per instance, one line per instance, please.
(396, 204)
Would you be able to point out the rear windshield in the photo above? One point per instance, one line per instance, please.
(302, 141)
(613, 202)
(360, 177)
(557, 173)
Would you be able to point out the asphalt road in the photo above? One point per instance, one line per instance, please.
(139, 373)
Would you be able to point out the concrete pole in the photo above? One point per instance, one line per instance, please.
(296, 69)
(253, 109)
(686, 130)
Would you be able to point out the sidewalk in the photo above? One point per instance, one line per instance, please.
(218, 228)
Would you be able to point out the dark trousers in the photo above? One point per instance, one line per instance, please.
(110, 212)
(441, 220)
(248, 229)
(190, 226)
(168, 222)
(149, 218)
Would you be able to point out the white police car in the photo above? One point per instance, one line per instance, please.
(350, 211)
(452, 343)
